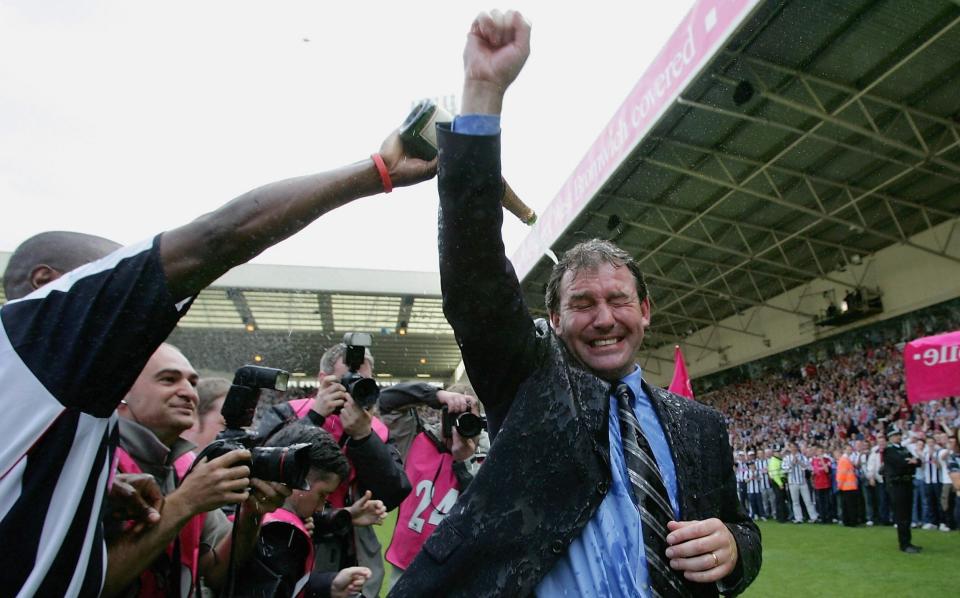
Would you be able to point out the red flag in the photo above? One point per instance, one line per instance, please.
(681, 381)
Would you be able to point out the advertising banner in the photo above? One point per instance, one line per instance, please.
(932, 367)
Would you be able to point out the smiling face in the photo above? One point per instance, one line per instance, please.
(164, 397)
(601, 320)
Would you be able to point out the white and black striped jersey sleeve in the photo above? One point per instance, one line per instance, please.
(68, 354)
(87, 335)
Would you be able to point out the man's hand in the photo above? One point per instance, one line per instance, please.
(705, 551)
(405, 170)
(349, 581)
(498, 45)
(366, 512)
(265, 497)
(135, 497)
(356, 422)
(330, 396)
(461, 447)
(214, 484)
(455, 402)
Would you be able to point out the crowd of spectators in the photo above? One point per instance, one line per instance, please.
(831, 413)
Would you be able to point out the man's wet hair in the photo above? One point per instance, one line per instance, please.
(62, 251)
(324, 453)
(589, 255)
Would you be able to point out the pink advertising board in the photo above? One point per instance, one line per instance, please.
(932, 367)
(707, 26)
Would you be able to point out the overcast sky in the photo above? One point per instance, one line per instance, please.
(125, 118)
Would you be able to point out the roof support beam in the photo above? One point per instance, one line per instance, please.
(325, 309)
(737, 224)
(243, 308)
(729, 294)
(803, 134)
(722, 295)
(820, 180)
(746, 256)
(805, 77)
(831, 118)
(403, 314)
(807, 211)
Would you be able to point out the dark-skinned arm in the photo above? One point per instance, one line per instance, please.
(130, 554)
(196, 254)
(211, 485)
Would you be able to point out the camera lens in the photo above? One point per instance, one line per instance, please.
(364, 391)
(333, 521)
(285, 464)
(469, 425)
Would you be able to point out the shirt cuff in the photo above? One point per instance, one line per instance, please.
(315, 418)
(476, 124)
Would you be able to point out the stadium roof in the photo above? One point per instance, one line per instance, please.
(768, 145)
(288, 315)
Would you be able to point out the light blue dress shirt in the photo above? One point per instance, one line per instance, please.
(607, 559)
(476, 124)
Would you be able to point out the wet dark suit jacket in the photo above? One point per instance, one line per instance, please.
(548, 468)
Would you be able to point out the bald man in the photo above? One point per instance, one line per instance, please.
(84, 316)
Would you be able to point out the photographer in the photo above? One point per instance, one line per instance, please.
(375, 463)
(192, 539)
(83, 317)
(283, 560)
(435, 459)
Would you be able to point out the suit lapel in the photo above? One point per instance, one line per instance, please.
(680, 432)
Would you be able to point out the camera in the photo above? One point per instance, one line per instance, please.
(364, 391)
(331, 521)
(287, 464)
(467, 424)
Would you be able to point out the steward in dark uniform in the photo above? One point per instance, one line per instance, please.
(898, 469)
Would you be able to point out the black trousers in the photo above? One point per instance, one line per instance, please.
(901, 495)
(851, 507)
(781, 503)
(824, 505)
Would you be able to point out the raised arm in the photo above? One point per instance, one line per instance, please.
(398, 405)
(196, 254)
(481, 293)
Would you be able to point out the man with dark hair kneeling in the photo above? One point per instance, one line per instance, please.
(283, 562)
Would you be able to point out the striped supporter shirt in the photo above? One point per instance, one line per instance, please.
(762, 472)
(931, 466)
(796, 464)
(68, 354)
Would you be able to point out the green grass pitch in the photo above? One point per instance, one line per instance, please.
(831, 560)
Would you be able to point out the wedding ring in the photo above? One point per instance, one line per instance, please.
(716, 561)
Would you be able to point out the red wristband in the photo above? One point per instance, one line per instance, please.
(384, 174)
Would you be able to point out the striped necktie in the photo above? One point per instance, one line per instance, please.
(649, 496)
